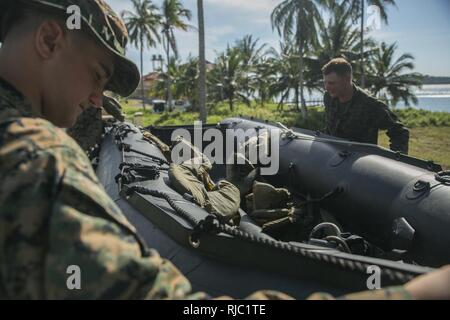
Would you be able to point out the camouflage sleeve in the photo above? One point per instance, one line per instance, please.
(54, 214)
(396, 131)
(390, 293)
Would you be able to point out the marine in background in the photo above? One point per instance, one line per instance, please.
(353, 114)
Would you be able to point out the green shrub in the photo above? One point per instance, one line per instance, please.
(412, 118)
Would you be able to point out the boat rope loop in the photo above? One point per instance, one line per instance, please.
(130, 172)
(123, 130)
(208, 225)
(443, 177)
(212, 225)
(127, 148)
(324, 225)
(337, 238)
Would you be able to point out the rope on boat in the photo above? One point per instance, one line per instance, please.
(212, 225)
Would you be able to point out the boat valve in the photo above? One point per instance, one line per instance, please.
(419, 189)
(421, 186)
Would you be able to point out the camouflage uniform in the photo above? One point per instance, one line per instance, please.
(54, 213)
(361, 118)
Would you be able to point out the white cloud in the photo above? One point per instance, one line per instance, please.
(261, 20)
(213, 35)
(217, 33)
(386, 35)
(120, 5)
(188, 41)
(247, 5)
(220, 31)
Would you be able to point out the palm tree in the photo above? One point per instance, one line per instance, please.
(201, 62)
(388, 78)
(263, 79)
(173, 15)
(184, 84)
(284, 66)
(143, 24)
(251, 53)
(336, 38)
(159, 88)
(357, 7)
(298, 18)
(250, 49)
(228, 76)
(186, 81)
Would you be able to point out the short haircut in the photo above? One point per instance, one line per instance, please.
(340, 66)
(21, 18)
(24, 17)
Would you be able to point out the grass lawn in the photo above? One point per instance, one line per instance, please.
(429, 143)
(429, 131)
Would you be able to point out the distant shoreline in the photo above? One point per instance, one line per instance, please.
(436, 80)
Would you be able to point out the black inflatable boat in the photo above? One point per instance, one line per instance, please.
(398, 205)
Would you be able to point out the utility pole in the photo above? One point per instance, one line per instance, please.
(362, 70)
(201, 62)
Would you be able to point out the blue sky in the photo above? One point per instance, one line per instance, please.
(420, 27)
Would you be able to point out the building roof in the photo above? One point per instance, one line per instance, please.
(152, 76)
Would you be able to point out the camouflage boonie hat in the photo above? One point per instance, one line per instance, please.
(99, 20)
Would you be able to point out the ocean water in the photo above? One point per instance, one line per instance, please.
(435, 97)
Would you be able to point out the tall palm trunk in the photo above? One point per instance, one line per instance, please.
(302, 95)
(301, 77)
(230, 100)
(168, 79)
(202, 63)
(363, 76)
(142, 74)
(262, 97)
